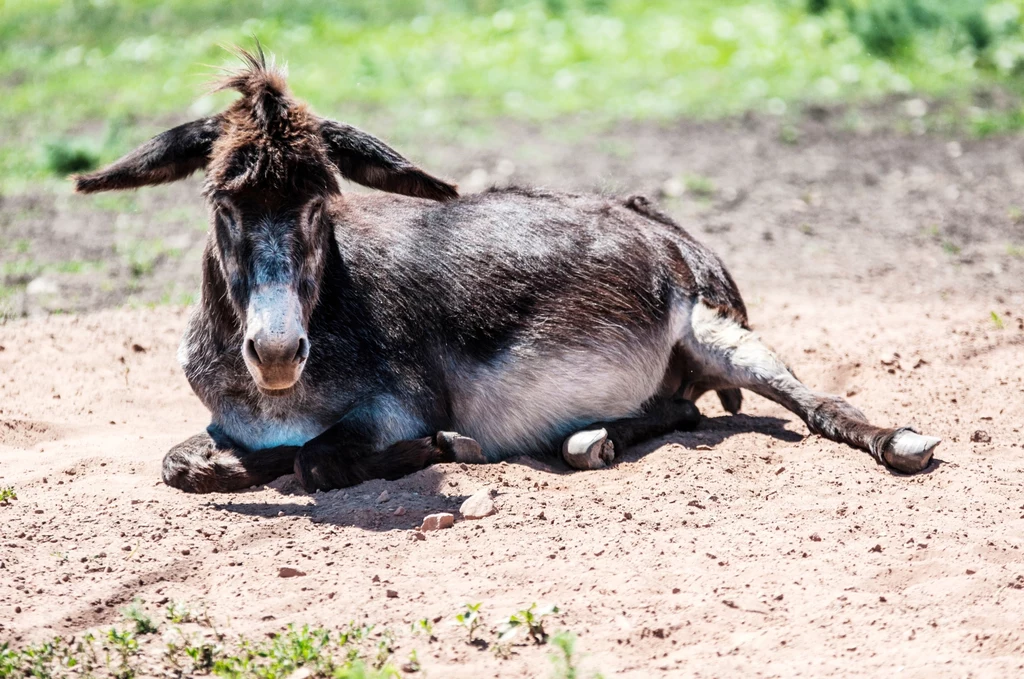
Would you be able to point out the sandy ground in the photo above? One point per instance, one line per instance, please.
(745, 548)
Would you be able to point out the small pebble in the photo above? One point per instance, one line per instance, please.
(289, 572)
(981, 436)
(384, 496)
(392, 594)
(400, 511)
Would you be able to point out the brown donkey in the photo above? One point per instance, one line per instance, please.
(346, 337)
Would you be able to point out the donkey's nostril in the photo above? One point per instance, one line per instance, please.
(303, 350)
(250, 349)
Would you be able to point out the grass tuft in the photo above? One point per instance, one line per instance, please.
(68, 156)
(136, 615)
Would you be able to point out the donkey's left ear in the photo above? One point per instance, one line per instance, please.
(167, 157)
(362, 158)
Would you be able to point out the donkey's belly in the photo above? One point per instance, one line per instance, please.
(518, 406)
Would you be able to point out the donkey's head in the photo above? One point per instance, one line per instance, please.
(271, 169)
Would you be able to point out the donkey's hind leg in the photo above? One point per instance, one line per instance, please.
(204, 464)
(735, 356)
(595, 446)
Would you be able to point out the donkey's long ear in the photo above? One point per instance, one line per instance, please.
(167, 157)
(363, 158)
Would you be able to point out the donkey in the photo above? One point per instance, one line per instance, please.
(348, 337)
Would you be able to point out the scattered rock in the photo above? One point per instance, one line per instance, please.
(416, 535)
(876, 548)
(971, 571)
(815, 537)
(384, 496)
(392, 594)
(981, 436)
(289, 572)
(400, 511)
(301, 673)
(437, 521)
(478, 505)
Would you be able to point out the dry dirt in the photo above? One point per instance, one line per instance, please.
(877, 264)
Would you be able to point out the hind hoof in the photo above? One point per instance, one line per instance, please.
(459, 448)
(910, 452)
(589, 449)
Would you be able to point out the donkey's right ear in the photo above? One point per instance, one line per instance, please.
(167, 157)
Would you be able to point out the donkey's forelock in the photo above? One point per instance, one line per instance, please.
(269, 139)
(257, 79)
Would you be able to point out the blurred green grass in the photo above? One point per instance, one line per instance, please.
(97, 76)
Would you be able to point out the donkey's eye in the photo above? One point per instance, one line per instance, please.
(227, 219)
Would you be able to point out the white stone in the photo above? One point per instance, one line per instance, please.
(478, 505)
(437, 521)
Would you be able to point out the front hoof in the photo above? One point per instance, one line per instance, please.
(588, 449)
(305, 475)
(188, 467)
(909, 452)
(319, 471)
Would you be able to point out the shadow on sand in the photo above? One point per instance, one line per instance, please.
(425, 493)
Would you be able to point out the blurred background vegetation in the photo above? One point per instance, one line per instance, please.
(83, 80)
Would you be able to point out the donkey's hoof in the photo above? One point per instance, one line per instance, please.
(189, 467)
(588, 449)
(910, 452)
(460, 448)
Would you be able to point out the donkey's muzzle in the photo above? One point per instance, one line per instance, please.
(276, 345)
(267, 351)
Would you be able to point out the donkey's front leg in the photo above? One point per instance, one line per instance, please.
(344, 455)
(204, 464)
